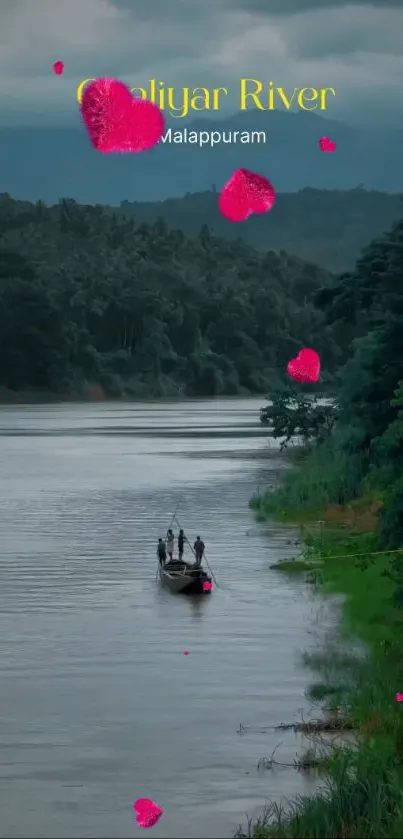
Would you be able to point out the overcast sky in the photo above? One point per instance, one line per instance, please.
(357, 49)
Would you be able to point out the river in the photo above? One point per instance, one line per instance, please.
(99, 706)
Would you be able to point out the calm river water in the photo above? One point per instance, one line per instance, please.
(99, 706)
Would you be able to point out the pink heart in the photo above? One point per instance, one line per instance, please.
(305, 367)
(207, 586)
(244, 194)
(326, 144)
(185, 652)
(58, 67)
(399, 697)
(147, 812)
(118, 122)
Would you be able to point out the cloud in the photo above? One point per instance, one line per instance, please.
(325, 34)
(291, 42)
(291, 7)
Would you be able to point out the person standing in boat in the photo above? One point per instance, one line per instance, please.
(170, 543)
(161, 552)
(198, 548)
(181, 544)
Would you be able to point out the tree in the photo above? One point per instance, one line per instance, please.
(88, 296)
(295, 414)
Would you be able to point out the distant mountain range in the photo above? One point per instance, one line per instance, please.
(51, 163)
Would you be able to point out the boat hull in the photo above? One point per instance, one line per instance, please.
(180, 577)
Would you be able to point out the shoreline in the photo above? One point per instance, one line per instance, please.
(337, 558)
(97, 394)
(10, 399)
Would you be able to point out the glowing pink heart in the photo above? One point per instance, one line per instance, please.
(244, 194)
(399, 697)
(58, 67)
(147, 812)
(207, 586)
(326, 144)
(118, 122)
(185, 652)
(305, 367)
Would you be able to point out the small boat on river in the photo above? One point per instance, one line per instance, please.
(180, 576)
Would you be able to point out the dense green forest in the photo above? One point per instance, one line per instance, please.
(328, 228)
(89, 298)
(367, 305)
(360, 436)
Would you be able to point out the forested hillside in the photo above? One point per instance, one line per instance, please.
(90, 298)
(326, 227)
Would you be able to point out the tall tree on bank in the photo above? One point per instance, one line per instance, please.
(364, 308)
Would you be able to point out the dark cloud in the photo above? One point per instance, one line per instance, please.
(163, 9)
(183, 43)
(291, 7)
(325, 35)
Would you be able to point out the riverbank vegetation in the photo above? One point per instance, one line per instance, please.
(347, 493)
(94, 305)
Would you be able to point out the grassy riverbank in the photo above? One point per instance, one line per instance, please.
(362, 794)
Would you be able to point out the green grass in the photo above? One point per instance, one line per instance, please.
(352, 804)
(325, 476)
(352, 566)
(362, 796)
(295, 566)
(333, 694)
(292, 566)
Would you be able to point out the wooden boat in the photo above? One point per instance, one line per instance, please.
(180, 576)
